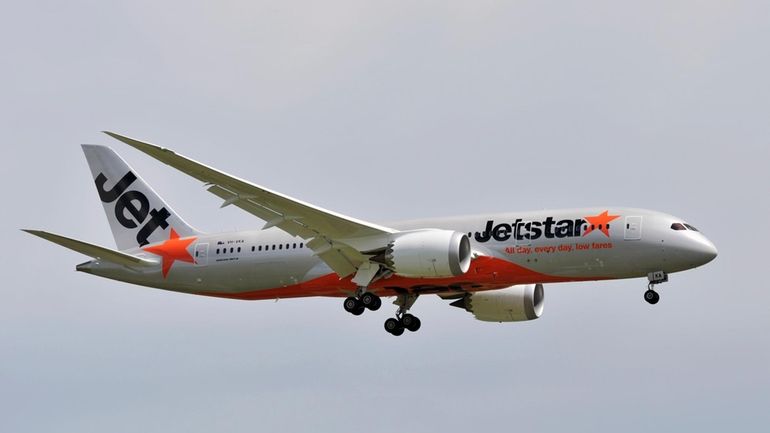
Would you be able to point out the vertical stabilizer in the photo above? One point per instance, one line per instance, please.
(137, 214)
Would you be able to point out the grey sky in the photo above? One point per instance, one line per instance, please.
(385, 111)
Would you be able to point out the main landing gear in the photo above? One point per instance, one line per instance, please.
(363, 300)
(651, 296)
(396, 326)
(403, 320)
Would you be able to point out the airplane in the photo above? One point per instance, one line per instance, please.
(493, 266)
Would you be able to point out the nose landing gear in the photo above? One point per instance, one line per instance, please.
(651, 296)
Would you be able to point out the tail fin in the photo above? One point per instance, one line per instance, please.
(137, 215)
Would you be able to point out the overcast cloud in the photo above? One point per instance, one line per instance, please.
(385, 111)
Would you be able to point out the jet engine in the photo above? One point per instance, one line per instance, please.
(512, 304)
(429, 254)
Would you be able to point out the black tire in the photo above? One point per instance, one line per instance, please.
(414, 323)
(652, 297)
(351, 305)
(358, 311)
(371, 301)
(407, 320)
(393, 326)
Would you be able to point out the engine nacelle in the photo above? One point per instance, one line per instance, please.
(430, 254)
(513, 304)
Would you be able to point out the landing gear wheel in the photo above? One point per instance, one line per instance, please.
(394, 327)
(410, 322)
(651, 296)
(371, 301)
(353, 306)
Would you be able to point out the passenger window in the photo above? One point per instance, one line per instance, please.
(217, 250)
(294, 246)
(678, 226)
(239, 249)
(691, 227)
(260, 247)
(273, 247)
(301, 244)
(231, 250)
(280, 247)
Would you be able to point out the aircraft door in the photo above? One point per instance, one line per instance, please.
(633, 228)
(201, 254)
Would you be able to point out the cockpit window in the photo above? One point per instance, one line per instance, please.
(678, 226)
(691, 227)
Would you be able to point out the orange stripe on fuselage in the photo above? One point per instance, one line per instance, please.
(485, 273)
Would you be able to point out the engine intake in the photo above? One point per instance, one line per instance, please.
(513, 304)
(430, 254)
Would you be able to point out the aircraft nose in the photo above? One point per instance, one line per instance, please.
(704, 250)
(690, 251)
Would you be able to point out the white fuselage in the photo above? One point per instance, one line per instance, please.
(509, 249)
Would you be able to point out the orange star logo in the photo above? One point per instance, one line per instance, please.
(601, 222)
(172, 250)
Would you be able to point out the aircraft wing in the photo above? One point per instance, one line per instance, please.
(91, 250)
(328, 230)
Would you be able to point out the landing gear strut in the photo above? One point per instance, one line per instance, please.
(403, 320)
(363, 300)
(651, 296)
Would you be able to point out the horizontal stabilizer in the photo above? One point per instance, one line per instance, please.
(92, 250)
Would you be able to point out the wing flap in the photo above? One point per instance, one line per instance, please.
(91, 250)
(342, 259)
